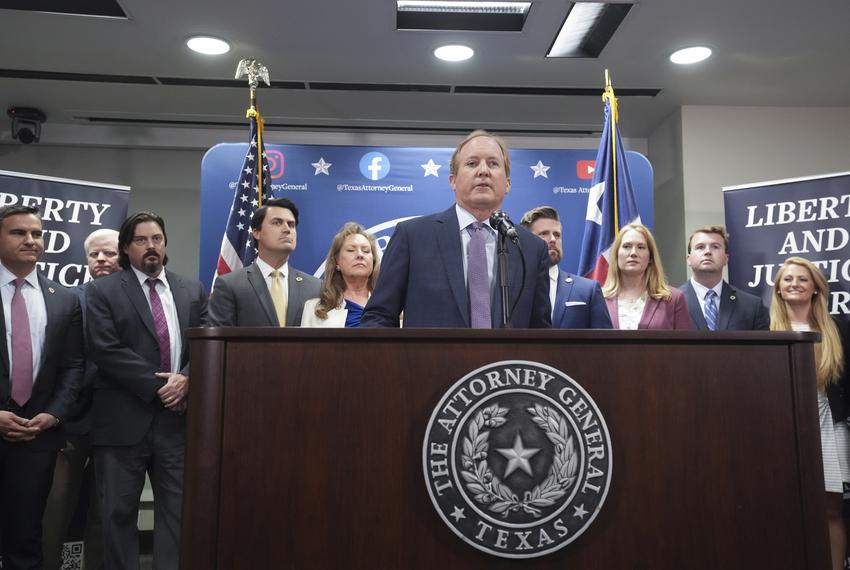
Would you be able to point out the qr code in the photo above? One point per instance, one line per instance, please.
(72, 556)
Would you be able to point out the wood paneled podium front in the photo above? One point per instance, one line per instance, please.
(304, 448)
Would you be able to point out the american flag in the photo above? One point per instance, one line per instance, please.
(237, 244)
(611, 202)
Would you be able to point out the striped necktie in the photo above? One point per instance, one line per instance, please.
(711, 310)
(163, 339)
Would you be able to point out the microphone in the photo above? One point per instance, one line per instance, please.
(502, 224)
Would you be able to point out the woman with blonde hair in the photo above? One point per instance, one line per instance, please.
(799, 303)
(351, 271)
(636, 290)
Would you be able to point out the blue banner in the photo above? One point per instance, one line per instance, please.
(771, 221)
(70, 211)
(380, 186)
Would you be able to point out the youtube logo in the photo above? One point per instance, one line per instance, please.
(585, 169)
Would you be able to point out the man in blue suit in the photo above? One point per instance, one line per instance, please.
(713, 304)
(442, 270)
(577, 303)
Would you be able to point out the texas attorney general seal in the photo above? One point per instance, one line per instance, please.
(517, 459)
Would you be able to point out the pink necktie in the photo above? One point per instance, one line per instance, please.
(477, 278)
(161, 325)
(21, 348)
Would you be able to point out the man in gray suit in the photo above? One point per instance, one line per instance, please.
(267, 293)
(713, 304)
(136, 323)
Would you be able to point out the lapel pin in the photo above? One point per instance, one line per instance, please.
(731, 297)
(51, 289)
(568, 280)
(298, 278)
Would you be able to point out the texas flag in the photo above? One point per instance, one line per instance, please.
(611, 202)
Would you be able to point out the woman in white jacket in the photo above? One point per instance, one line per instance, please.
(351, 271)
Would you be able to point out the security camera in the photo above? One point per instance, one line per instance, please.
(26, 123)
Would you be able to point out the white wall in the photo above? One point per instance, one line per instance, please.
(727, 146)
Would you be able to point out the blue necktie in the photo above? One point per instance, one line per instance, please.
(711, 310)
(477, 278)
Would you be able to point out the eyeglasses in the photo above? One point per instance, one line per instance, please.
(144, 240)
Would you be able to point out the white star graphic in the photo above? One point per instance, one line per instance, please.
(250, 158)
(246, 184)
(517, 456)
(322, 167)
(431, 168)
(580, 512)
(247, 170)
(254, 202)
(240, 226)
(540, 169)
(241, 212)
(253, 142)
(594, 214)
(244, 197)
(457, 514)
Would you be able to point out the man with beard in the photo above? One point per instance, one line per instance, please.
(577, 303)
(73, 478)
(136, 321)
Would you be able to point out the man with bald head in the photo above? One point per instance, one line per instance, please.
(442, 270)
(73, 478)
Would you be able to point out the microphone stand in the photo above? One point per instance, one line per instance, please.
(503, 280)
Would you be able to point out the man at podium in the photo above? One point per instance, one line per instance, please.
(441, 270)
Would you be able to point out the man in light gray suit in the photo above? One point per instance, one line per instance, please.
(267, 293)
(714, 304)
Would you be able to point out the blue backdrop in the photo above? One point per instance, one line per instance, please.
(380, 186)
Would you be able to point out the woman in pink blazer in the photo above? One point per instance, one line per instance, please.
(636, 291)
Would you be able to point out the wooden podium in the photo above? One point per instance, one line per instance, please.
(304, 448)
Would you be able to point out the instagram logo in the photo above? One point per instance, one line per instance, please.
(275, 160)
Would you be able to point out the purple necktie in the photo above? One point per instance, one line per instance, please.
(161, 325)
(477, 279)
(21, 348)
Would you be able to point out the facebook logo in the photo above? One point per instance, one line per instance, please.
(374, 165)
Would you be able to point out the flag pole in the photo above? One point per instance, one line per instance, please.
(254, 71)
(608, 97)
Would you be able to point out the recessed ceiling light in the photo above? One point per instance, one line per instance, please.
(454, 53)
(690, 55)
(208, 45)
(464, 7)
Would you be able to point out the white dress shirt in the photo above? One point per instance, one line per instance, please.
(36, 311)
(266, 271)
(554, 272)
(170, 310)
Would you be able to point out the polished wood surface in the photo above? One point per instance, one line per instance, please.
(305, 448)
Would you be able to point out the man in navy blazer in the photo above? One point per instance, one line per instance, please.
(577, 303)
(738, 310)
(425, 269)
(41, 368)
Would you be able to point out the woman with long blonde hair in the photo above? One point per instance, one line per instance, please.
(799, 303)
(351, 271)
(636, 290)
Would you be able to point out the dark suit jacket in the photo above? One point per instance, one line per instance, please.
(242, 299)
(657, 314)
(78, 421)
(739, 310)
(60, 375)
(838, 393)
(123, 344)
(579, 304)
(422, 275)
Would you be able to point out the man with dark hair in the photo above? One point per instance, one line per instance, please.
(577, 303)
(73, 479)
(441, 269)
(136, 324)
(714, 304)
(40, 377)
(267, 293)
